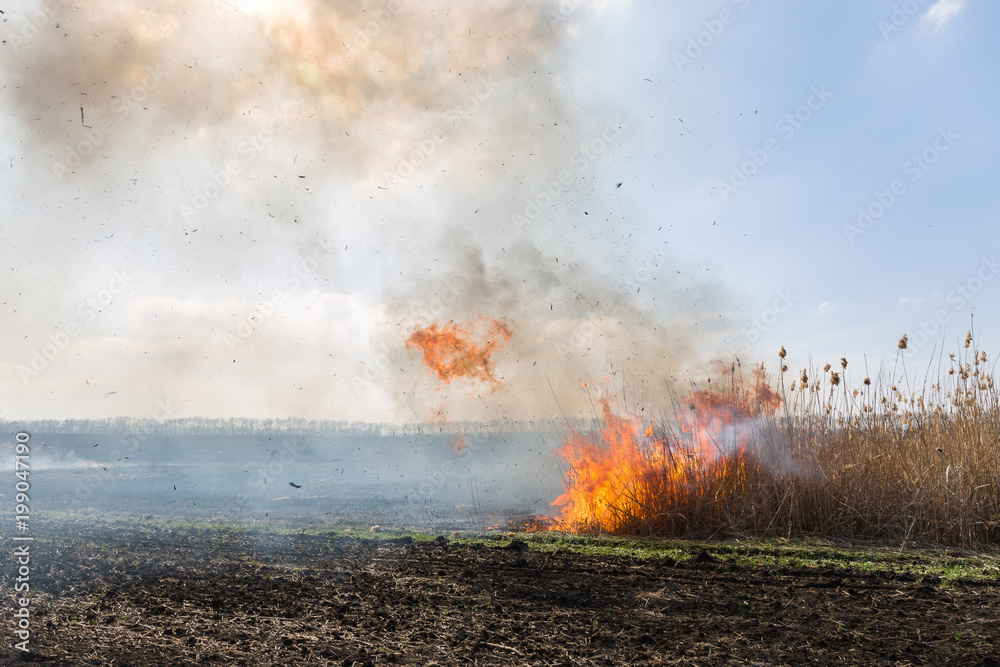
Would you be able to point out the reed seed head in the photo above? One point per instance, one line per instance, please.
(902, 342)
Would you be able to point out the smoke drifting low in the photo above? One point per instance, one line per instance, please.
(438, 152)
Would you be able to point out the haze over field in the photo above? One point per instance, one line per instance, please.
(247, 208)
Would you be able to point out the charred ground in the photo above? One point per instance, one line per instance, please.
(147, 593)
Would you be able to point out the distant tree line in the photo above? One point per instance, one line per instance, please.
(240, 426)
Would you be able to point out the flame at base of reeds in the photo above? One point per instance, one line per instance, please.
(885, 461)
(638, 477)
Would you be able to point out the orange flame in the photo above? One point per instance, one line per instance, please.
(458, 443)
(717, 422)
(602, 471)
(450, 352)
(628, 472)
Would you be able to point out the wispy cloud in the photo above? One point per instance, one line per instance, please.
(943, 12)
(917, 300)
(823, 308)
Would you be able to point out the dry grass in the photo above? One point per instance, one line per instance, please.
(810, 454)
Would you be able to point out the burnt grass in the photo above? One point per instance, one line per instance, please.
(141, 594)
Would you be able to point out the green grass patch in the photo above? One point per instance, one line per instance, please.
(934, 564)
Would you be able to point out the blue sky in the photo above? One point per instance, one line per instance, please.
(278, 199)
(784, 230)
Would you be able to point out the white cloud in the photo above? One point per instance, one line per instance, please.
(293, 355)
(917, 300)
(943, 12)
(823, 308)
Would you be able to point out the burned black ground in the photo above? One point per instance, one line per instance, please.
(134, 593)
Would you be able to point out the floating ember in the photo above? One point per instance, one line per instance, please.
(451, 351)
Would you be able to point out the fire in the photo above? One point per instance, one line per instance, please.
(451, 352)
(632, 475)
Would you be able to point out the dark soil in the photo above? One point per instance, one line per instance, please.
(133, 596)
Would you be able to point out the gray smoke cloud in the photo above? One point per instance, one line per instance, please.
(431, 159)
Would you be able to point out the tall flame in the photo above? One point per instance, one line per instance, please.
(450, 350)
(632, 473)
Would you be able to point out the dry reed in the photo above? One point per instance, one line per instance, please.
(892, 459)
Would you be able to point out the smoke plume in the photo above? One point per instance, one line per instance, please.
(288, 179)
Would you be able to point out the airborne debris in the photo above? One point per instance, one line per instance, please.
(293, 484)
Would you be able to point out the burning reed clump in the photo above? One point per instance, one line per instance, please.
(887, 460)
